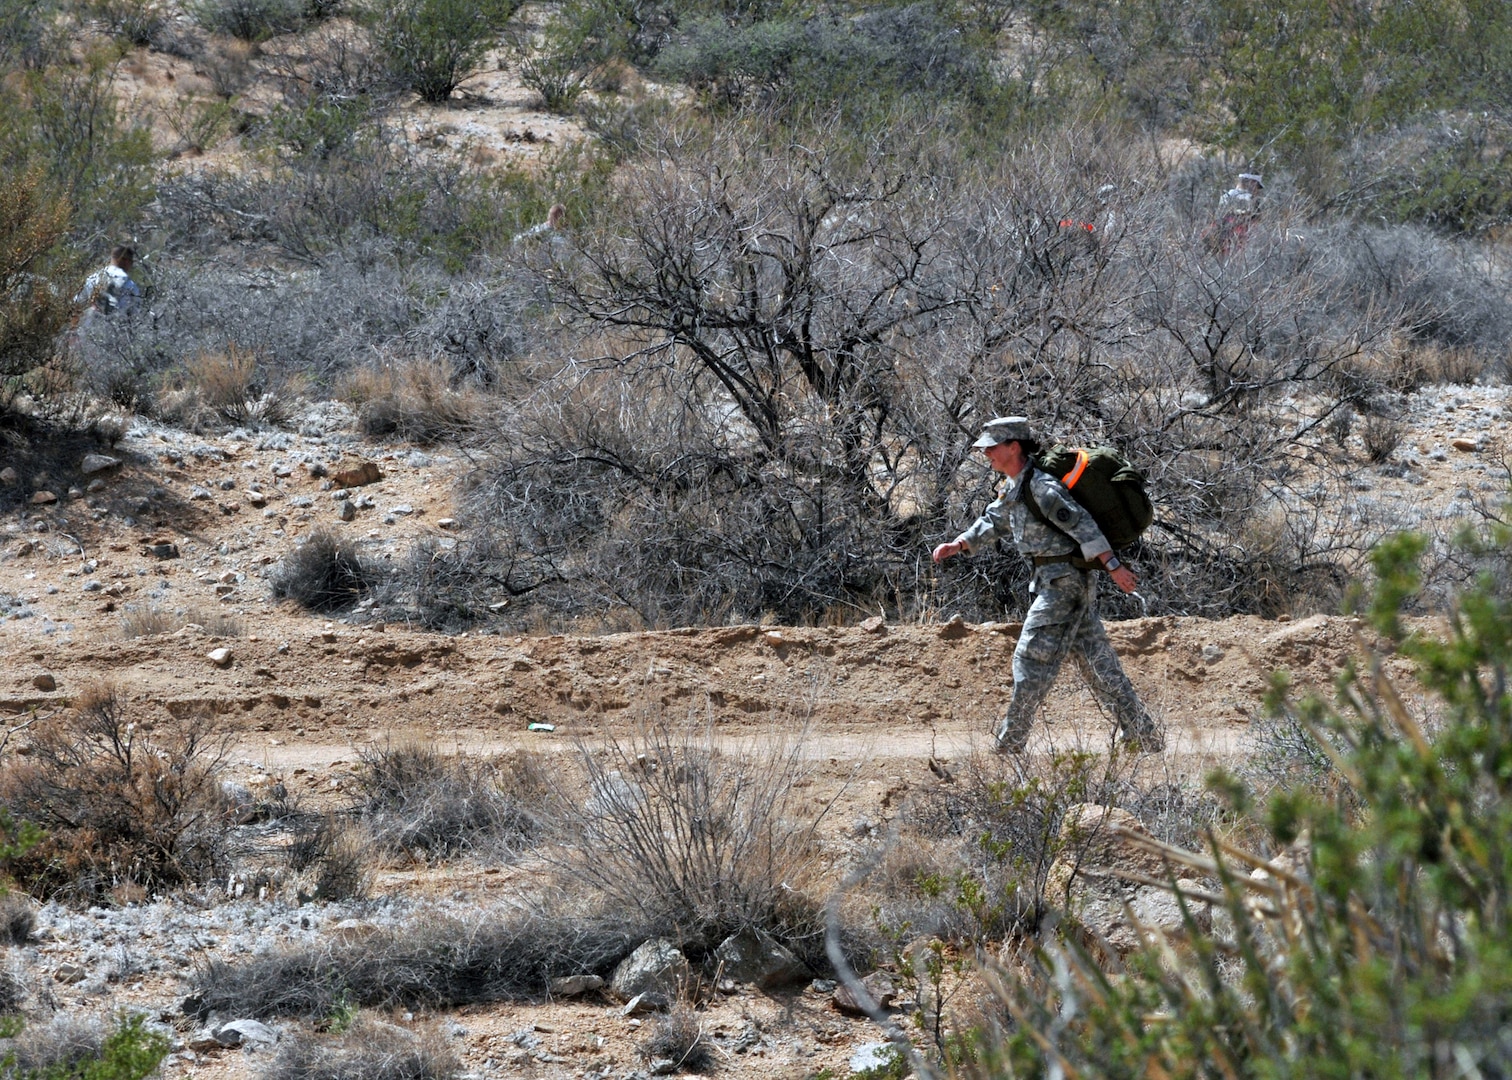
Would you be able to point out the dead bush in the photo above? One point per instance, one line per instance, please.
(1381, 435)
(236, 387)
(59, 1047)
(368, 1050)
(326, 572)
(332, 857)
(12, 992)
(677, 1037)
(17, 919)
(416, 401)
(120, 804)
(418, 803)
(697, 844)
(145, 620)
(435, 961)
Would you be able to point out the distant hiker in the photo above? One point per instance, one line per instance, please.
(1237, 211)
(1066, 546)
(109, 291)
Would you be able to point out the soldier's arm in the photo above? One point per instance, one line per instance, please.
(1067, 515)
(992, 524)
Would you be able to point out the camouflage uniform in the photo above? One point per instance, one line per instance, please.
(1063, 617)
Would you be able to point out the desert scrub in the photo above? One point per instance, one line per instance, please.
(367, 1050)
(1381, 899)
(119, 807)
(421, 804)
(325, 573)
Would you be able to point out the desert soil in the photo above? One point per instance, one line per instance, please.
(306, 694)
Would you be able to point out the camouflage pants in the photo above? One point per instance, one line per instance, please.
(1063, 619)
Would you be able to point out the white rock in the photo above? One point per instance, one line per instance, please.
(219, 657)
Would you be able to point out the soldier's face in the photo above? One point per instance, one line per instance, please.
(1006, 458)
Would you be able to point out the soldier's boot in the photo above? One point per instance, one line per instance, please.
(1013, 736)
(1143, 739)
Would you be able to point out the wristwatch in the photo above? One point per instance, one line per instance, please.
(1112, 564)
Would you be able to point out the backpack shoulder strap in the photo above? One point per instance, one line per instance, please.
(1032, 504)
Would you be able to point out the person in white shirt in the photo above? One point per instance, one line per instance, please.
(109, 290)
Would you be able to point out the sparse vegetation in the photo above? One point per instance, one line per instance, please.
(325, 573)
(68, 1048)
(431, 46)
(119, 807)
(369, 1050)
(678, 1037)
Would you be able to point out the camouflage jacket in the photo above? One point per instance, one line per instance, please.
(1008, 516)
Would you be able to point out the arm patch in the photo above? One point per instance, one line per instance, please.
(1063, 514)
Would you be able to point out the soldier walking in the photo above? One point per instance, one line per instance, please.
(1066, 547)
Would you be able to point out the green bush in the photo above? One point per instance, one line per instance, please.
(34, 289)
(66, 1052)
(249, 20)
(431, 46)
(1374, 942)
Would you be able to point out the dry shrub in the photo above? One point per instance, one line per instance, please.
(415, 401)
(120, 804)
(695, 843)
(230, 385)
(678, 1037)
(145, 620)
(368, 1050)
(332, 857)
(1381, 435)
(325, 573)
(421, 804)
(17, 919)
(12, 993)
(435, 961)
(58, 1047)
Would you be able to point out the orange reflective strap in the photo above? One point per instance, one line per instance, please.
(1074, 475)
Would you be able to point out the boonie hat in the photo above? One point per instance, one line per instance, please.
(1003, 429)
(1252, 176)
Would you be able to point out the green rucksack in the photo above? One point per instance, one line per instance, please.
(1103, 482)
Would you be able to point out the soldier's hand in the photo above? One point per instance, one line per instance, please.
(945, 551)
(1124, 578)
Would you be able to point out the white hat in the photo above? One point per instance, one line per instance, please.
(1252, 176)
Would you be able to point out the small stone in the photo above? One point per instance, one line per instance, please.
(773, 637)
(955, 629)
(1467, 446)
(43, 498)
(162, 550)
(8, 476)
(92, 586)
(348, 512)
(94, 463)
(1212, 653)
(219, 657)
(446, 523)
(95, 486)
(45, 682)
(68, 973)
(366, 473)
(573, 985)
(403, 509)
(874, 625)
(877, 985)
(248, 1032)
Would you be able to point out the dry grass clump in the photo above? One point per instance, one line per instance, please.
(58, 1047)
(432, 962)
(120, 807)
(325, 573)
(678, 1037)
(1381, 435)
(229, 385)
(416, 401)
(17, 919)
(696, 844)
(368, 1050)
(421, 804)
(332, 855)
(146, 620)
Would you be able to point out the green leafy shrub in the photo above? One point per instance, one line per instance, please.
(431, 46)
(249, 20)
(1368, 937)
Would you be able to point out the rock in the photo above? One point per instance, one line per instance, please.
(26, 548)
(347, 512)
(1467, 446)
(877, 984)
(641, 1004)
(773, 638)
(219, 657)
(203, 1040)
(955, 629)
(754, 956)
(656, 970)
(246, 1033)
(43, 498)
(68, 973)
(573, 985)
(1212, 653)
(8, 476)
(874, 625)
(95, 463)
(446, 523)
(95, 486)
(662, 1067)
(45, 683)
(870, 1056)
(162, 550)
(366, 473)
